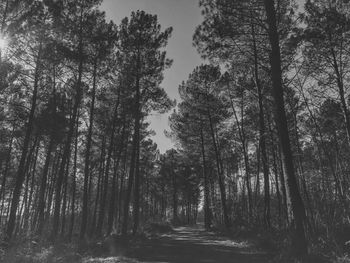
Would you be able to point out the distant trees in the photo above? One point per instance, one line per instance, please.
(140, 43)
(182, 193)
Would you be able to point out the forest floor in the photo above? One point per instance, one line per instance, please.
(187, 245)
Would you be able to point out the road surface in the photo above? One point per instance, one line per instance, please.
(195, 245)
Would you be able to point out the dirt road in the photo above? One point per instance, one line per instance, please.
(194, 245)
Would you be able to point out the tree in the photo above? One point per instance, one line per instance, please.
(299, 239)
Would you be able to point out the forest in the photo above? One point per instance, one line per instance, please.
(261, 132)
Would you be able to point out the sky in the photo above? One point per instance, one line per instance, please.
(184, 16)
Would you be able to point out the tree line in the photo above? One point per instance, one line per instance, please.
(265, 120)
(76, 91)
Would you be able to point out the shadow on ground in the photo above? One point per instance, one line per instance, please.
(194, 245)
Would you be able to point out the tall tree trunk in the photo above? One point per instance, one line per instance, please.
(121, 189)
(62, 167)
(87, 156)
(30, 198)
(43, 184)
(175, 203)
(77, 101)
(207, 212)
(114, 191)
(341, 93)
(136, 207)
(242, 137)
(106, 178)
(65, 193)
(299, 237)
(5, 174)
(220, 172)
(74, 174)
(135, 146)
(99, 185)
(267, 212)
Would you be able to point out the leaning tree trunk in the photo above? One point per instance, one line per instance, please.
(299, 242)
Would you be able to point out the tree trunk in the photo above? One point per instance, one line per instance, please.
(136, 208)
(5, 174)
(242, 137)
(87, 156)
(64, 204)
(114, 191)
(99, 185)
(220, 173)
(175, 204)
(108, 163)
(299, 237)
(207, 212)
(74, 184)
(41, 204)
(267, 216)
(30, 198)
(134, 154)
(78, 98)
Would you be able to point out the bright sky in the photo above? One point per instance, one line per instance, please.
(183, 16)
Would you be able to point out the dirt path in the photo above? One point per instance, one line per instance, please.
(194, 245)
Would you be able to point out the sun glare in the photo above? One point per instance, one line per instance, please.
(3, 42)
